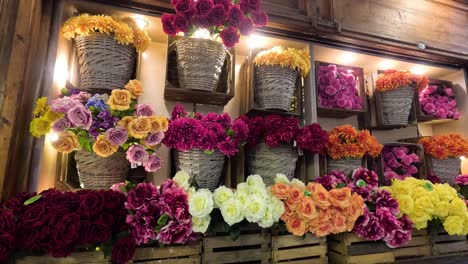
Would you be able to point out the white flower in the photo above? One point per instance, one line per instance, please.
(232, 211)
(242, 197)
(260, 191)
(243, 188)
(182, 179)
(297, 182)
(200, 225)
(254, 208)
(201, 203)
(254, 180)
(280, 177)
(267, 220)
(191, 191)
(277, 208)
(222, 194)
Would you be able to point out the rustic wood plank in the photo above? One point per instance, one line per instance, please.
(191, 260)
(210, 243)
(412, 251)
(94, 257)
(238, 256)
(167, 252)
(281, 241)
(445, 248)
(307, 261)
(302, 252)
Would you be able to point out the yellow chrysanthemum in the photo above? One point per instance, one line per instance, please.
(39, 126)
(41, 107)
(285, 57)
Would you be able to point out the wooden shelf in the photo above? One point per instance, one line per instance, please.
(391, 127)
(196, 96)
(337, 112)
(431, 121)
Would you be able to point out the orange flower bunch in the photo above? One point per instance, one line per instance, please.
(347, 142)
(392, 79)
(312, 208)
(445, 146)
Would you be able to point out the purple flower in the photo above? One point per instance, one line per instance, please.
(178, 112)
(62, 105)
(83, 97)
(365, 182)
(230, 36)
(154, 139)
(461, 180)
(141, 228)
(80, 116)
(387, 220)
(246, 26)
(398, 238)
(235, 15)
(153, 163)
(60, 125)
(174, 233)
(137, 154)
(385, 200)
(102, 121)
(433, 178)
(138, 197)
(217, 14)
(117, 136)
(368, 227)
(144, 110)
(332, 179)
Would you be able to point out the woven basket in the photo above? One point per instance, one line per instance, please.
(267, 161)
(274, 87)
(204, 168)
(199, 63)
(396, 105)
(446, 169)
(104, 63)
(100, 173)
(344, 165)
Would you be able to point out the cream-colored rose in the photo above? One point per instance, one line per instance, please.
(139, 127)
(255, 179)
(135, 87)
(221, 195)
(103, 147)
(254, 208)
(66, 143)
(242, 197)
(182, 179)
(267, 220)
(297, 182)
(231, 211)
(280, 177)
(201, 203)
(119, 100)
(278, 208)
(200, 225)
(243, 188)
(260, 191)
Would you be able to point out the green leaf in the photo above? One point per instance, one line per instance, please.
(209, 152)
(307, 193)
(361, 183)
(125, 146)
(65, 91)
(428, 186)
(340, 185)
(32, 199)
(123, 188)
(163, 219)
(230, 132)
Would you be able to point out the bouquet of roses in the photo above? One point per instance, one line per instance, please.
(337, 89)
(227, 18)
(393, 79)
(399, 163)
(315, 209)
(445, 146)
(58, 223)
(440, 103)
(346, 142)
(103, 124)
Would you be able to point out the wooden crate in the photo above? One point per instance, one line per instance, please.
(93, 257)
(287, 248)
(419, 246)
(421, 117)
(444, 243)
(347, 248)
(252, 247)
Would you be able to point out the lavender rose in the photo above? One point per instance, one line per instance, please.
(137, 154)
(154, 163)
(144, 110)
(62, 105)
(60, 125)
(117, 135)
(154, 138)
(80, 116)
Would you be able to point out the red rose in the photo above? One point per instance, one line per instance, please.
(235, 15)
(230, 36)
(31, 238)
(201, 22)
(107, 218)
(226, 3)
(91, 203)
(6, 247)
(7, 222)
(113, 200)
(246, 26)
(66, 231)
(204, 7)
(35, 215)
(260, 18)
(123, 251)
(217, 15)
(168, 24)
(181, 23)
(94, 232)
(183, 6)
(250, 5)
(16, 204)
(66, 201)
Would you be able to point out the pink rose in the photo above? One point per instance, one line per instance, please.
(235, 15)
(217, 15)
(168, 24)
(246, 26)
(230, 36)
(153, 163)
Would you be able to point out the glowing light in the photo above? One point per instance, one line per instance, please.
(462, 158)
(386, 64)
(237, 68)
(350, 71)
(347, 57)
(256, 41)
(144, 55)
(418, 70)
(53, 136)
(61, 71)
(202, 33)
(141, 23)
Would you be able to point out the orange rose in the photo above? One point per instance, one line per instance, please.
(280, 190)
(340, 197)
(296, 226)
(319, 194)
(307, 209)
(324, 215)
(350, 224)
(323, 229)
(355, 209)
(339, 223)
(295, 197)
(287, 214)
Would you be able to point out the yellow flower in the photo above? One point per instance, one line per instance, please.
(125, 121)
(465, 226)
(419, 192)
(52, 116)
(158, 124)
(445, 192)
(386, 188)
(294, 59)
(135, 87)
(119, 100)
(420, 225)
(458, 207)
(406, 203)
(442, 209)
(41, 107)
(139, 127)
(420, 216)
(400, 188)
(67, 142)
(39, 126)
(424, 203)
(454, 225)
(103, 147)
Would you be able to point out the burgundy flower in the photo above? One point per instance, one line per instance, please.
(7, 222)
(387, 220)
(94, 232)
(230, 36)
(312, 138)
(142, 228)
(7, 242)
(143, 192)
(91, 203)
(260, 18)
(66, 233)
(217, 15)
(332, 179)
(250, 5)
(385, 200)
(433, 178)
(181, 23)
(203, 7)
(31, 238)
(398, 238)
(183, 6)
(368, 227)
(66, 201)
(235, 15)
(174, 233)
(201, 22)
(113, 200)
(123, 251)
(246, 26)
(168, 24)
(35, 215)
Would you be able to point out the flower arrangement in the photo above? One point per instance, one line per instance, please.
(363, 181)
(275, 130)
(337, 89)
(103, 124)
(125, 30)
(208, 132)
(346, 142)
(393, 79)
(426, 202)
(295, 59)
(227, 18)
(440, 103)
(58, 223)
(398, 163)
(445, 146)
(461, 183)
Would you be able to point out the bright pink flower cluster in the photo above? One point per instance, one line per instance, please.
(206, 132)
(462, 182)
(337, 89)
(229, 19)
(399, 163)
(439, 102)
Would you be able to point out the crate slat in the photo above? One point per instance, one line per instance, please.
(282, 241)
(297, 249)
(302, 252)
(210, 243)
(94, 257)
(444, 243)
(168, 252)
(190, 260)
(361, 259)
(407, 252)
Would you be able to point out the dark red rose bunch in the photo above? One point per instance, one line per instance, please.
(227, 18)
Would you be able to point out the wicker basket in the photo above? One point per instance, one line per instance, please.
(100, 173)
(344, 165)
(396, 105)
(274, 87)
(446, 169)
(199, 63)
(104, 63)
(267, 161)
(205, 169)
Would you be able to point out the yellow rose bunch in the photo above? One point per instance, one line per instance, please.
(424, 201)
(295, 59)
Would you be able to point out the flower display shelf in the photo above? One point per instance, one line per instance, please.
(324, 159)
(223, 94)
(288, 248)
(379, 115)
(444, 244)
(338, 112)
(419, 246)
(252, 246)
(347, 248)
(423, 118)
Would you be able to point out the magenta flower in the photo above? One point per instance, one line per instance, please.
(368, 227)
(332, 179)
(364, 182)
(230, 36)
(203, 7)
(385, 200)
(168, 24)
(260, 18)
(246, 26)
(312, 138)
(62, 105)
(217, 15)
(440, 103)
(461, 180)
(139, 197)
(235, 15)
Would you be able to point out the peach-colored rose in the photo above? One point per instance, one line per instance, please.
(339, 223)
(325, 215)
(296, 226)
(355, 209)
(287, 214)
(323, 229)
(135, 88)
(66, 143)
(295, 197)
(340, 197)
(125, 121)
(319, 194)
(139, 127)
(280, 190)
(103, 147)
(307, 209)
(119, 100)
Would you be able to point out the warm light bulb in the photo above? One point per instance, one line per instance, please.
(144, 55)
(53, 136)
(386, 64)
(462, 158)
(141, 23)
(347, 57)
(256, 41)
(61, 72)
(419, 70)
(202, 33)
